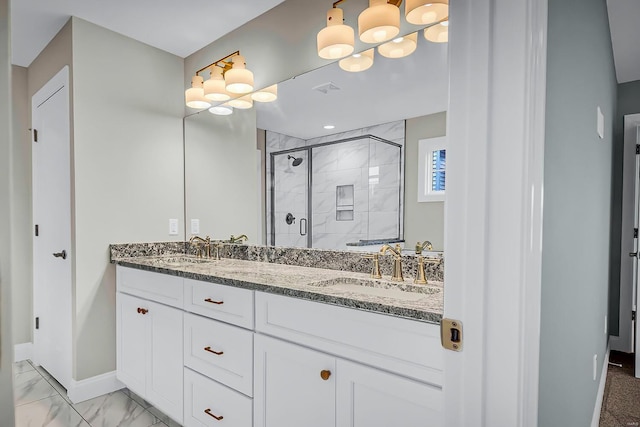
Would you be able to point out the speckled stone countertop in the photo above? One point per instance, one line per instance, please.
(343, 288)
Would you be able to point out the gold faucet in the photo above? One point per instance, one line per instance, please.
(420, 247)
(199, 242)
(240, 239)
(397, 262)
(421, 276)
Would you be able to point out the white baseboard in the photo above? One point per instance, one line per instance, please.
(93, 387)
(22, 352)
(595, 420)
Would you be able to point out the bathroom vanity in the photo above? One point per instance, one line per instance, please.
(246, 343)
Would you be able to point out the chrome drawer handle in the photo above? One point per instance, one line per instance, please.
(217, 353)
(213, 302)
(208, 412)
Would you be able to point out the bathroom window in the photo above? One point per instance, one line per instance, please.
(432, 155)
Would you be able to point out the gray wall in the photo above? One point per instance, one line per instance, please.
(21, 249)
(6, 353)
(577, 199)
(422, 221)
(628, 103)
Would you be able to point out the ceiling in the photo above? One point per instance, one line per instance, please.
(624, 22)
(165, 24)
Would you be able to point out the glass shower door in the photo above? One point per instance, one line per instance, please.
(290, 199)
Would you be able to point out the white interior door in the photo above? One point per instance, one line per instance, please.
(624, 341)
(52, 220)
(636, 299)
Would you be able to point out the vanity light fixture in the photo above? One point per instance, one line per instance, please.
(268, 94)
(214, 88)
(379, 22)
(221, 110)
(243, 103)
(194, 96)
(399, 47)
(438, 33)
(358, 61)
(239, 79)
(336, 40)
(426, 12)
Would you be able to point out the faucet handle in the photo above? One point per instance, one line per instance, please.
(375, 268)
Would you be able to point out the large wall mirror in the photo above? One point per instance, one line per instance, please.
(332, 163)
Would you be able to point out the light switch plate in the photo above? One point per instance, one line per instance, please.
(600, 123)
(195, 226)
(173, 227)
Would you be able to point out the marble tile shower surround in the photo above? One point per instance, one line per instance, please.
(303, 257)
(339, 165)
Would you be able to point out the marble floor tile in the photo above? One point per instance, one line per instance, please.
(22, 367)
(115, 410)
(52, 411)
(59, 388)
(165, 419)
(139, 400)
(30, 386)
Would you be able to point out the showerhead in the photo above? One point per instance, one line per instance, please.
(296, 162)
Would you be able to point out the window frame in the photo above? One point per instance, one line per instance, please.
(426, 147)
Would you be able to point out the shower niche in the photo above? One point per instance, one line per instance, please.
(337, 193)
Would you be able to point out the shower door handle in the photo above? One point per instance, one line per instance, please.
(303, 233)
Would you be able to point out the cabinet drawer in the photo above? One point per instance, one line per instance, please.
(204, 396)
(162, 288)
(403, 346)
(226, 303)
(219, 351)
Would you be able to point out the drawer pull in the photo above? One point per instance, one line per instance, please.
(213, 302)
(142, 310)
(324, 374)
(217, 353)
(208, 412)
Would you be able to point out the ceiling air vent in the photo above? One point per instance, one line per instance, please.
(326, 87)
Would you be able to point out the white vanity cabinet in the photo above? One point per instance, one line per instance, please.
(149, 349)
(319, 386)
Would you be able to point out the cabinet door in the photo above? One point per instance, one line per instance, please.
(165, 353)
(288, 387)
(368, 397)
(131, 326)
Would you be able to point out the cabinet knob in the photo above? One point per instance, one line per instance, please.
(211, 414)
(324, 374)
(142, 310)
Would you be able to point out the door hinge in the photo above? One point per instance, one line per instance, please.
(637, 148)
(37, 323)
(37, 230)
(633, 315)
(35, 137)
(635, 233)
(451, 334)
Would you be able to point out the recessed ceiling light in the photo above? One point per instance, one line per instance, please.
(328, 127)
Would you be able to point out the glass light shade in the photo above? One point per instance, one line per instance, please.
(438, 33)
(425, 12)
(242, 103)
(358, 62)
(379, 22)
(214, 88)
(221, 110)
(400, 47)
(239, 79)
(268, 94)
(336, 40)
(194, 96)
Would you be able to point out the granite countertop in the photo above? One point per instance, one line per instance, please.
(343, 288)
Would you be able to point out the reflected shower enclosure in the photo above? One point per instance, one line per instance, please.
(335, 194)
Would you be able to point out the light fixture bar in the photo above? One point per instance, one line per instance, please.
(227, 65)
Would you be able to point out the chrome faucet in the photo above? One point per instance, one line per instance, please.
(397, 261)
(199, 242)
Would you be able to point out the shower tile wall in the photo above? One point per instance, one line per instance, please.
(372, 167)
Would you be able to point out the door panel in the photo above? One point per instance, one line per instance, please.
(52, 213)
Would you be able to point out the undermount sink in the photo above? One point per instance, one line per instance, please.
(371, 287)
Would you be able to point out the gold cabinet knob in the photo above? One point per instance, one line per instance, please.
(324, 374)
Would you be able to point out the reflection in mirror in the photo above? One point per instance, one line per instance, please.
(340, 149)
